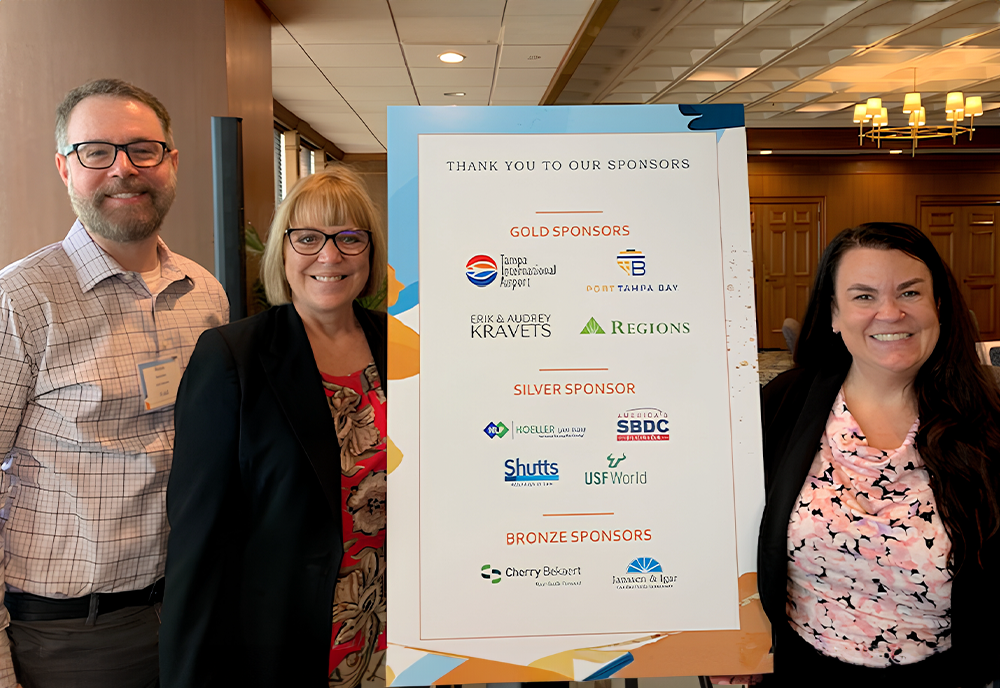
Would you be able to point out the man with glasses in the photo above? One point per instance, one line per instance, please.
(95, 332)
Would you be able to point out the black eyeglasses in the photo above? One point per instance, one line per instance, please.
(100, 155)
(309, 242)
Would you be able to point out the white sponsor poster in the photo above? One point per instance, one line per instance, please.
(574, 479)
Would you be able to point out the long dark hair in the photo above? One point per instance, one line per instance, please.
(959, 405)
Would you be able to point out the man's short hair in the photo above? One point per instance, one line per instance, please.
(108, 87)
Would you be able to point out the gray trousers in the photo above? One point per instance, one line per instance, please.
(118, 651)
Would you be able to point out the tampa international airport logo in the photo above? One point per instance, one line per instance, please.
(633, 262)
(481, 270)
(491, 574)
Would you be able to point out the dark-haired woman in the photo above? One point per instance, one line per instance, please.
(878, 544)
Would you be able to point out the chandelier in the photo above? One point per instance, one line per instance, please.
(956, 108)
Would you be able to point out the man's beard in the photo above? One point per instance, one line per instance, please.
(128, 224)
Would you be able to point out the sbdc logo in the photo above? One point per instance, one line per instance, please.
(643, 425)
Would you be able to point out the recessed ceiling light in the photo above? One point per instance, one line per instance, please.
(455, 93)
(451, 57)
(765, 152)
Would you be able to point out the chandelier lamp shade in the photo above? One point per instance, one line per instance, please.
(957, 108)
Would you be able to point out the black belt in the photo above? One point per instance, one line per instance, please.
(23, 606)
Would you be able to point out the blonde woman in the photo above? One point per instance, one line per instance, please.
(276, 557)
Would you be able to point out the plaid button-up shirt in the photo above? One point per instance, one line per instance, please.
(85, 468)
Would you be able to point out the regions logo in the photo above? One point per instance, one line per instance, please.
(491, 574)
(642, 425)
(592, 327)
(481, 270)
(630, 328)
(633, 262)
(643, 573)
(495, 430)
(539, 473)
(614, 477)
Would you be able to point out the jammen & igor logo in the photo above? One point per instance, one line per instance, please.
(481, 270)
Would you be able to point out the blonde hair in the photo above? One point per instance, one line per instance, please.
(336, 196)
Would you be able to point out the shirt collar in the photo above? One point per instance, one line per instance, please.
(94, 265)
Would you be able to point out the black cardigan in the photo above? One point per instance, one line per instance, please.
(255, 509)
(796, 406)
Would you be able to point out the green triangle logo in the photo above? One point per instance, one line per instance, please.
(592, 328)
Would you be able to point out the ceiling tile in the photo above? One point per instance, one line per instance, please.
(300, 106)
(289, 55)
(385, 94)
(479, 98)
(360, 55)
(296, 76)
(534, 8)
(476, 56)
(471, 30)
(335, 21)
(524, 77)
(446, 9)
(541, 30)
(367, 76)
(451, 79)
(532, 93)
(532, 56)
(279, 36)
(321, 93)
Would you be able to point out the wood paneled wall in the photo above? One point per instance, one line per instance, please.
(209, 57)
(868, 189)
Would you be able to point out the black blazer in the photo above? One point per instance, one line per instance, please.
(796, 406)
(255, 509)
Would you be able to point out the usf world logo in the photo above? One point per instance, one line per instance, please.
(491, 574)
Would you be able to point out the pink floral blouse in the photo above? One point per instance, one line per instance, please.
(358, 645)
(868, 581)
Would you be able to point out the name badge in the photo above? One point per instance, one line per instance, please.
(159, 381)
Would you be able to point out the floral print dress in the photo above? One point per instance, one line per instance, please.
(868, 579)
(357, 648)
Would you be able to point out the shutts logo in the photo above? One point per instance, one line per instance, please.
(481, 270)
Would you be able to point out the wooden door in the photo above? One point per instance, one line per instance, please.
(966, 238)
(787, 247)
